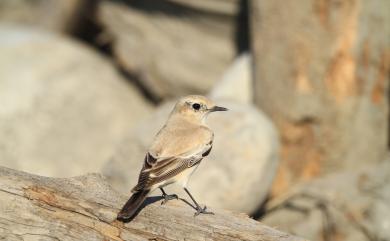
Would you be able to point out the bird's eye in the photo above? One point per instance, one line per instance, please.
(196, 106)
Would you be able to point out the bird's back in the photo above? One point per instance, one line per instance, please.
(179, 136)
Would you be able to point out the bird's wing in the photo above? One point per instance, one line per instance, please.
(156, 170)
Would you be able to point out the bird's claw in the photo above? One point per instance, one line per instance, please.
(203, 210)
(166, 198)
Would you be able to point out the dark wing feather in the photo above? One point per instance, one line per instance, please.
(165, 174)
(157, 170)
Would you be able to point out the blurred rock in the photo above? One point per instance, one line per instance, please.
(226, 7)
(346, 206)
(236, 175)
(322, 74)
(56, 15)
(236, 83)
(172, 49)
(63, 106)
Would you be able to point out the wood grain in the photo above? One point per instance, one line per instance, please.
(84, 208)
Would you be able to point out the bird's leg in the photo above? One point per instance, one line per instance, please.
(167, 197)
(198, 208)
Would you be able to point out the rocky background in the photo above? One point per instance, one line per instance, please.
(85, 85)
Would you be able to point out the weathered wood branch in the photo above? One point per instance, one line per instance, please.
(84, 208)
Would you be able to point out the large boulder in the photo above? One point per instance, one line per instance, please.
(236, 83)
(236, 175)
(351, 205)
(55, 15)
(63, 106)
(171, 54)
(321, 73)
(222, 7)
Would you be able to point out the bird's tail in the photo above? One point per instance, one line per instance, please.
(132, 205)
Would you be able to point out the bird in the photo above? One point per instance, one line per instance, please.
(175, 153)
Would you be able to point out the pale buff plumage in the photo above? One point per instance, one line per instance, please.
(176, 151)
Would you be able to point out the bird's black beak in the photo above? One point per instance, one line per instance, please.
(218, 108)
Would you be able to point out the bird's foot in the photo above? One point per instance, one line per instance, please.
(167, 197)
(203, 210)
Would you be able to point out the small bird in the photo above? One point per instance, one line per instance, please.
(176, 152)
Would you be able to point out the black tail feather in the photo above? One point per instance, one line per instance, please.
(132, 205)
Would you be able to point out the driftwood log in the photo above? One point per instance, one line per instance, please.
(84, 208)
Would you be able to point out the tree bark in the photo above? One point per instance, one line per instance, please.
(321, 73)
(84, 208)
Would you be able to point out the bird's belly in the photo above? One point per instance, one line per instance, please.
(184, 176)
(166, 182)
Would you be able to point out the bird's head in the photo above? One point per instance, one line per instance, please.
(196, 108)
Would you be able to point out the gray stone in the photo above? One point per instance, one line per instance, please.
(236, 175)
(56, 15)
(236, 83)
(226, 7)
(347, 206)
(172, 54)
(63, 106)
